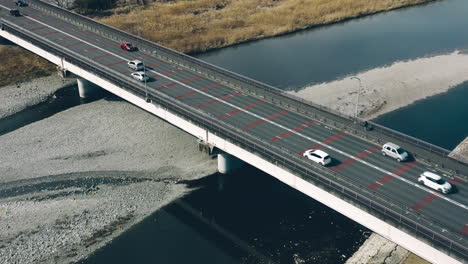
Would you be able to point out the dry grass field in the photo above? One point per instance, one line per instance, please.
(193, 26)
(19, 64)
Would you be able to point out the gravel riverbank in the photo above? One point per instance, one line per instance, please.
(388, 88)
(72, 182)
(19, 96)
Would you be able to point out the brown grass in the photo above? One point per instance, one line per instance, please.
(199, 25)
(19, 64)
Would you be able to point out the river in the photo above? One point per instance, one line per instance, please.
(225, 220)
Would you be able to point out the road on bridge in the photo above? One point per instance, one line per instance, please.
(353, 157)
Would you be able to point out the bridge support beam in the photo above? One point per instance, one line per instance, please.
(228, 163)
(85, 88)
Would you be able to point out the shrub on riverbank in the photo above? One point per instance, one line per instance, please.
(195, 26)
(19, 64)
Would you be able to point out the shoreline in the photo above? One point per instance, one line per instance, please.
(385, 89)
(74, 181)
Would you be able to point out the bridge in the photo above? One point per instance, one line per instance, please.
(266, 128)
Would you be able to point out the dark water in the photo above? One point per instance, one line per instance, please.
(257, 219)
(441, 119)
(253, 219)
(328, 53)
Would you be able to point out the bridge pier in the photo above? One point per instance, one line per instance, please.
(228, 163)
(85, 88)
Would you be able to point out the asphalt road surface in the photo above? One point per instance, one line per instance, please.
(353, 157)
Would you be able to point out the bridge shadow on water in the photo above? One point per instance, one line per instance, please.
(246, 217)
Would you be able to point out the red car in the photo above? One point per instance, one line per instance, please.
(127, 46)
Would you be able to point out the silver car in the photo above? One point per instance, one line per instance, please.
(136, 65)
(394, 151)
(141, 76)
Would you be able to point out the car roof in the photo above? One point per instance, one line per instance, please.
(136, 61)
(320, 152)
(431, 175)
(393, 145)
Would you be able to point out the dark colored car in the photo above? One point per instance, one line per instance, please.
(128, 46)
(15, 12)
(20, 3)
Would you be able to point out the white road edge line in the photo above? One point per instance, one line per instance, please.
(266, 120)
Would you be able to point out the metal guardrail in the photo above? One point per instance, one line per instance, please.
(223, 75)
(349, 190)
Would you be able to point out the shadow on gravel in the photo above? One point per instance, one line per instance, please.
(75, 183)
(65, 98)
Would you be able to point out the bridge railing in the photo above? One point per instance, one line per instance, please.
(348, 189)
(225, 76)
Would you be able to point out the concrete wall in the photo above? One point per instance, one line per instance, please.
(366, 219)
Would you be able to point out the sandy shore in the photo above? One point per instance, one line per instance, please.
(73, 181)
(385, 89)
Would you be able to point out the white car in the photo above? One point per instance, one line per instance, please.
(435, 182)
(394, 151)
(141, 76)
(136, 65)
(318, 156)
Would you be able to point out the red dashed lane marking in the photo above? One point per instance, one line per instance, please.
(425, 201)
(194, 92)
(156, 64)
(39, 28)
(95, 48)
(170, 72)
(50, 33)
(359, 155)
(455, 180)
(287, 133)
(381, 182)
(121, 61)
(219, 99)
(387, 178)
(182, 81)
(108, 54)
(74, 44)
(326, 141)
(464, 230)
(233, 112)
(79, 35)
(256, 123)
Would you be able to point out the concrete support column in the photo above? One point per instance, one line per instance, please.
(228, 163)
(85, 88)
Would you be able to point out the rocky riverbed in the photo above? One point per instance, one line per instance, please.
(72, 182)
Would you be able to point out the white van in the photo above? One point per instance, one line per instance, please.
(394, 151)
(136, 65)
(435, 182)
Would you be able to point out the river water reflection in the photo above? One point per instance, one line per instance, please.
(253, 219)
(324, 54)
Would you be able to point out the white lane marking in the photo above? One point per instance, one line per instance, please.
(271, 122)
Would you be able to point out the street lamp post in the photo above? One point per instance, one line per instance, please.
(146, 89)
(357, 99)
